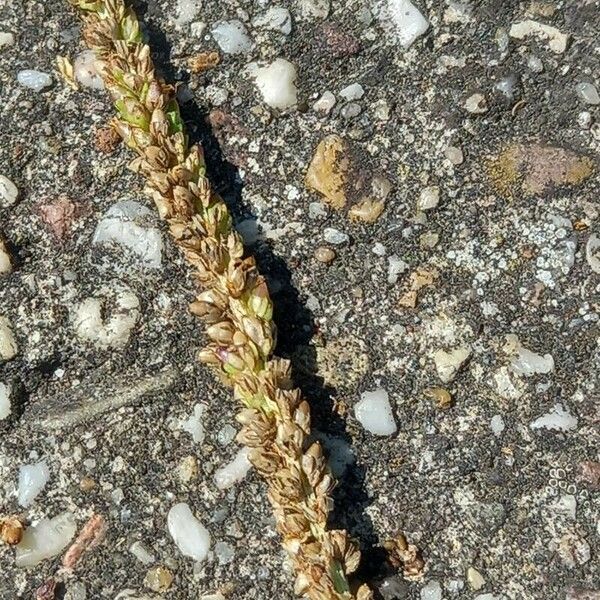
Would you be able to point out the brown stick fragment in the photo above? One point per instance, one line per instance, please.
(46, 591)
(91, 535)
(203, 61)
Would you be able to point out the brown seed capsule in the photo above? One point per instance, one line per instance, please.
(107, 139)
(204, 61)
(11, 530)
(87, 484)
(158, 579)
(47, 590)
(440, 396)
(324, 254)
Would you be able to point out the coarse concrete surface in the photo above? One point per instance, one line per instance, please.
(482, 136)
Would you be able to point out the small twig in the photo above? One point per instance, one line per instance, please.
(91, 535)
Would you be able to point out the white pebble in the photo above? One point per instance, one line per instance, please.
(8, 192)
(584, 119)
(507, 384)
(316, 210)
(8, 344)
(117, 496)
(32, 480)
(35, 80)
(529, 363)
(558, 419)
(317, 9)
(524, 361)
(277, 18)
(535, 64)
(497, 424)
(111, 330)
(335, 236)
(432, 590)
(592, 252)
(454, 586)
(6, 39)
(475, 579)
(142, 553)
(232, 36)
(374, 412)
(454, 154)
(396, 266)
(355, 91)
(226, 434)
(189, 535)
(381, 110)
(187, 11)
(198, 28)
(429, 198)
(313, 304)
(476, 104)
(276, 83)
(46, 539)
(193, 424)
(325, 103)
(5, 264)
(379, 249)
(566, 506)
(86, 71)
(407, 20)
(447, 364)
(4, 400)
(216, 95)
(124, 224)
(458, 12)
(224, 552)
(507, 86)
(233, 471)
(588, 93)
(557, 41)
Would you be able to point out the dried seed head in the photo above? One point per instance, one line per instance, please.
(235, 304)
